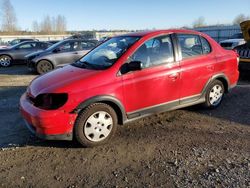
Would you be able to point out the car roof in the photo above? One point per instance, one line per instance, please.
(27, 39)
(158, 32)
(30, 41)
(90, 40)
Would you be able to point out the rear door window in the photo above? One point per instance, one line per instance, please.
(86, 45)
(69, 46)
(206, 48)
(190, 45)
(27, 46)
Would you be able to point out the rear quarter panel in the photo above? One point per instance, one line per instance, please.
(227, 63)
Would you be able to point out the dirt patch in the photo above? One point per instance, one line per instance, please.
(191, 147)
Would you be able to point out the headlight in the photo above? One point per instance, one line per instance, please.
(50, 101)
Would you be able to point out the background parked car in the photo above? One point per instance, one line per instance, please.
(64, 52)
(16, 41)
(16, 54)
(235, 40)
(244, 50)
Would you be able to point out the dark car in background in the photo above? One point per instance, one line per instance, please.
(59, 54)
(244, 50)
(16, 41)
(234, 41)
(16, 54)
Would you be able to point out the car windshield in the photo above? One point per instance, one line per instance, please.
(105, 55)
(14, 42)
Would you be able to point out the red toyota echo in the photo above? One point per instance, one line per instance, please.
(126, 78)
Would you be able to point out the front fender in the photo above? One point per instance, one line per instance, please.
(110, 100)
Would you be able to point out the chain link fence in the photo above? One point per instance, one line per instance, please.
(220, 33)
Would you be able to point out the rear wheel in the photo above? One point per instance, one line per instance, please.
(95, 125)
(44, 66)
(5, 61)
(214, 94)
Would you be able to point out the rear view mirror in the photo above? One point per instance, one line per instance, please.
(132, 66)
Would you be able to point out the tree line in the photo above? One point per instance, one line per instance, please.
(200, 22)
(49, 25)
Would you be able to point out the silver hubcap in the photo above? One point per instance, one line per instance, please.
(5, 61)
(44, 67)
(98, 126)
(215, 95)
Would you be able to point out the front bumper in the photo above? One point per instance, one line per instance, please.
(47, 124)
(68, 136)
(31, 65)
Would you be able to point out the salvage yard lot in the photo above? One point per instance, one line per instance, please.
(192, 147)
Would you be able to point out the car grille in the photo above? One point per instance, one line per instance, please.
(244, 53)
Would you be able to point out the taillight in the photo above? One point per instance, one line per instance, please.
(50, 101)
(238, 60)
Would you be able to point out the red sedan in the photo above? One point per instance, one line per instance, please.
(126, 78)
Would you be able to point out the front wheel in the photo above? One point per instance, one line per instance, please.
(214, 94)
(95, 125)
(44, 66)
(5, 61)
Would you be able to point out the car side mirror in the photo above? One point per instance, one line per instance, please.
(56, 50)
(132, 66)
(135, 65)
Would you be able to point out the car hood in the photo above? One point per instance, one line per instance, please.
(59, 80)
(245, 28)
(4, 49)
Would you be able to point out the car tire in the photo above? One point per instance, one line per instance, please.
(95, 125)
(5, 61)
(214, 94)
(44, 66)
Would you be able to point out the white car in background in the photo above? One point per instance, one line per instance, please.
(235, 40)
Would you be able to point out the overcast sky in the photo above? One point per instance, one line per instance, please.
(129, 14)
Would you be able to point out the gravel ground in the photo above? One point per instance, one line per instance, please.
(192, 147)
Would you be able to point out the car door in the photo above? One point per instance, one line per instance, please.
(66, 53)
(24, 49)
(197, 64)
(158, 82)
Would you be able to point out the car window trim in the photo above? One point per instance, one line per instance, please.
(162, 64)
(211, 49)
(191, 57)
